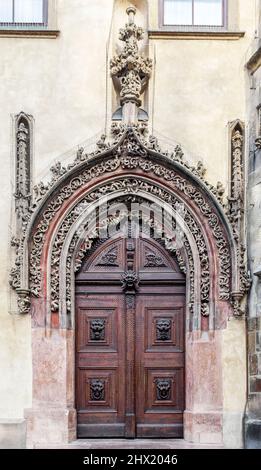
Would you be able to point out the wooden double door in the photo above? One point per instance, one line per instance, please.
(130, 309)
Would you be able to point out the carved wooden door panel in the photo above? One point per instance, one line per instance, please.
(100, 365)
(130, 346)
(159, 365)
(159, 351)
(100, 344)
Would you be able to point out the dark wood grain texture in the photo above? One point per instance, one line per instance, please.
(130, 342)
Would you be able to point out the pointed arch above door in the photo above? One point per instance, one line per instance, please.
(135, 166)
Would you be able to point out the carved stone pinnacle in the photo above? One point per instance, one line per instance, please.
(130, 70)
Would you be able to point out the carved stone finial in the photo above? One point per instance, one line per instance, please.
(236, 209)
(130, 69)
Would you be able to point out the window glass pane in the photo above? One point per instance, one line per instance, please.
(208, 12)
(178, 12)
(6, 13)
(28, 11)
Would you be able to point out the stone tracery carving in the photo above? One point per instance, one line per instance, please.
(129, 141)
(87, 244)
(236, 209)
(77, 182)
(128, 185)
(129, 153)
(23, 164)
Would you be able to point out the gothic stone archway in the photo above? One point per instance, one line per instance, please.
(53, 245)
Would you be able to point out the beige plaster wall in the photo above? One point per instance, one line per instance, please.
(62, 83)
(199, 87)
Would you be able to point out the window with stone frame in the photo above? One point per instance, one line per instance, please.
(23, 13)
(193, 13)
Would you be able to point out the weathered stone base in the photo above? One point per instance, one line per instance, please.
(253, 433)
(12, 434)
(252, 422)
(50, 426)
(203, 428)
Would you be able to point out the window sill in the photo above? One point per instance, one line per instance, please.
(178, 34)
(29, 33)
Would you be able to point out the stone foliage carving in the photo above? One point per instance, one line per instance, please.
(14, 278)
(128, 141)
(130, 68)
(87, 244)
(236, 209)
(129, 186)
(130, 152)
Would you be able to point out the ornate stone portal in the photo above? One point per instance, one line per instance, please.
(57, 233)
(130, 153)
